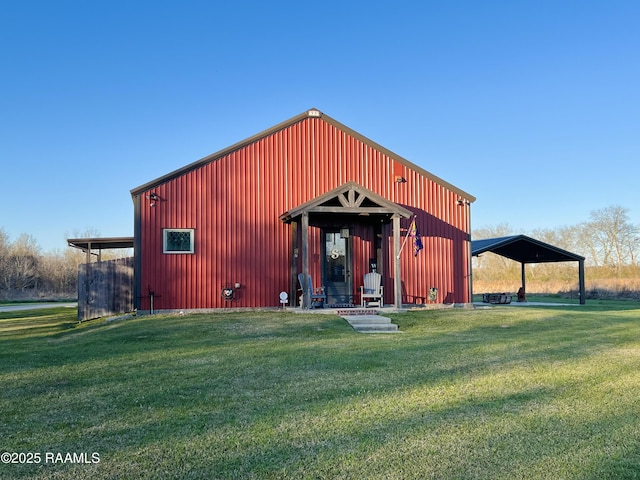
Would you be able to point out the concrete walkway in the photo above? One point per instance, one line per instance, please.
(35, 306)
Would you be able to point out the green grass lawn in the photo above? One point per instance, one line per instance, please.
(504, 392)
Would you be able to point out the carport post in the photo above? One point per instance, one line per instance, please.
(581, 281)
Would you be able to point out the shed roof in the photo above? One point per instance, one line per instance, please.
(523, 249)
(103, 243)
(314, 113)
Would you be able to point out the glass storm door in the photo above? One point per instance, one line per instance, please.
(336, 269)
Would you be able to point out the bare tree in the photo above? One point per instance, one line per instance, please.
(489, 264)
(610, 239)
(5, 247)
(564, 237)
(23, 262)
(493, 231)
(59, 270)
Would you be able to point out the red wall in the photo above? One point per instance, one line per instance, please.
(235, 201)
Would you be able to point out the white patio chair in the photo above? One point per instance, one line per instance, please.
(372, 292)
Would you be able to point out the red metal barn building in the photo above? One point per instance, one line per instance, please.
(234, 229)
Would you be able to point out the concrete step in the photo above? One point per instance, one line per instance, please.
(371, 323)
(391, 327)
(357, 311)
(367, 319)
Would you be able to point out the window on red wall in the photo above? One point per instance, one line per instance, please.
(178, 240)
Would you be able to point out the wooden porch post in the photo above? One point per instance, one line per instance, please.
(293, 273)
(397, 280)
(305, 255)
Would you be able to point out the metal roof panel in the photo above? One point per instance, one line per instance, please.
(523, 249)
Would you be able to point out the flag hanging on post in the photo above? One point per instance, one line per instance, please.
(417, 241)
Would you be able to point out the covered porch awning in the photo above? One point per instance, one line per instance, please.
(348, 200)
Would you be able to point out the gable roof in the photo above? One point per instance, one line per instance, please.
(349, 198)
(314, 113)
(523, 249)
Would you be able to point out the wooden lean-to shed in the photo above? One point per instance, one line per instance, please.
(309, 195)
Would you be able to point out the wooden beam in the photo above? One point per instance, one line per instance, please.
(354, 210)
(352, 197)
(293, 298)
(343, 201)
(305, 254)
(397, 275)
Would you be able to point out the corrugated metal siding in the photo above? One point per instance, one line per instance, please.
(234, 204)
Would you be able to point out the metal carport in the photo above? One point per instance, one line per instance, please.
(88, 245)
(525, 250)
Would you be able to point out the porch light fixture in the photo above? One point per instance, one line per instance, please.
(400, 179)
(153, 198)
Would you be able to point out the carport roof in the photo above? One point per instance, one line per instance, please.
(100, 243)
(523, 249)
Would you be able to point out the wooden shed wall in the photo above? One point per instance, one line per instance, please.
(105, 288)
(234, 203)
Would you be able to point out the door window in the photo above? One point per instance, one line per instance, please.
(336, 257)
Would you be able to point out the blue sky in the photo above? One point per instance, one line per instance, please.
(531, 106)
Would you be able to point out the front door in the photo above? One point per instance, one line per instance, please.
(336, 266)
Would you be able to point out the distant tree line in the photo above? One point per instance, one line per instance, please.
(28, 273)
(608, 240)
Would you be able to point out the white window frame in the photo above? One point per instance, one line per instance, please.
(165, 236)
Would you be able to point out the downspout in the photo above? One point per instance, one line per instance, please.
(137, 253)
(469, 256)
